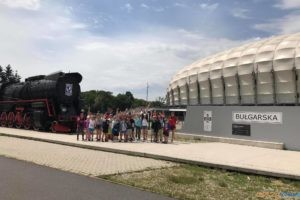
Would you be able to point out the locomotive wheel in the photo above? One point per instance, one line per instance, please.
(3, 119)
(36, 128)
(10, 119)
(52, 128)
(18, 120)
(27, 121)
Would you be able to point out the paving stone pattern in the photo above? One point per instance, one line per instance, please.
(73, 159)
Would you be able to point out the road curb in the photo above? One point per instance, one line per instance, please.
(254, 143)
(160, 157)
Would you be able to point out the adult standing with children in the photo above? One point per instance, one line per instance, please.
(80, 126)
(172, 123)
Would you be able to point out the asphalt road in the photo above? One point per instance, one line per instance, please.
(20, 180)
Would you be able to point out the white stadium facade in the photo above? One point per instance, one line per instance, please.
(258, 78)
(263, 72)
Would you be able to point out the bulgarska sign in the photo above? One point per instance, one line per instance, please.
(257, 117)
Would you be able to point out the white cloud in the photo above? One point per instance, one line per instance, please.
(152, 8)
(24, 4)
(284, 25)
(160, 9)
(36, 44)
(287, 24)
(182, 5)
(143, 5)
(78, 26)
(288, 4)
(128, 7)
(240, 13)
(209, 7)
(68, 10)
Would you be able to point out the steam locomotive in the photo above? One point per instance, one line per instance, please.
(44, 102)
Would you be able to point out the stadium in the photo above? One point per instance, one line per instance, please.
(258, 80)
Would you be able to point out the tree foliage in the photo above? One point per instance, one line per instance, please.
(8, 75)
(159, 102)
(102, 101)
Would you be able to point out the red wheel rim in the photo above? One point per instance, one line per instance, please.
(18, 120)
(3, 119)
(27, 121)
(11, 119)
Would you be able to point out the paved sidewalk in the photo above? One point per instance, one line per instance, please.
(76, 160)
(279, 163)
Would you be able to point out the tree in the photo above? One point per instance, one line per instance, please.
(8, 75)
(88, 99)
(98, 101)
(17, 77)
(159, 102)
(2, 75)
(139, 103)
(104, 101)
(130, 98)
(123, 102)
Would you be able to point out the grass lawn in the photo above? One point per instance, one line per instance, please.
(194, 182)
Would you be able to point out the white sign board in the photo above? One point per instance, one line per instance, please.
(69, 89)
(207, 120)
(257, 117)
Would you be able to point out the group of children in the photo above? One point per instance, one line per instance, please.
(126, 127)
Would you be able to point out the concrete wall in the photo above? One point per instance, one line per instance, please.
(288, 132)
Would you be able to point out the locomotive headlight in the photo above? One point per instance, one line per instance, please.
(64, 109)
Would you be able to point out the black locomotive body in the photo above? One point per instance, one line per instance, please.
(42, 102)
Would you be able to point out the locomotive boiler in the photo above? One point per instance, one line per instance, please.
(44, 102)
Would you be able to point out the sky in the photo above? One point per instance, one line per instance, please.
(120, 45)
